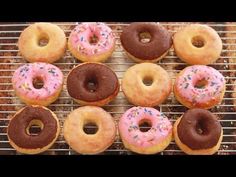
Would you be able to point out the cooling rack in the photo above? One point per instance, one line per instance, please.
(10, 59)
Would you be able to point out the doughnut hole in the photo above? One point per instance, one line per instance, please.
(145, 37)
(93, 39)
(198, 42)
(90, 128)
(35, 127)
(144, 125)
(201, 127)
(43, 40)
(201, 84)
(38, 82)
(147, 81)
(91, 84)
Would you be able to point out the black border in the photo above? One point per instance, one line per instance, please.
(117, 10)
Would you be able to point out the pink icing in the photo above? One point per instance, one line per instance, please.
(129, 126)
(191, 75)
(23, 80)
(80, 37)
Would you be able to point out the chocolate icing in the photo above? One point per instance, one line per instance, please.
(104, 79)
(188, 129)
(19, 123)
(160, 42)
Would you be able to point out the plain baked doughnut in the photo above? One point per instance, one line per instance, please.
(82, 142)
(146, 84)
(30, 39)
(197, 44)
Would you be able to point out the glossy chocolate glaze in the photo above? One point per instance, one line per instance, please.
(92, 82)
(199, 129)
(160, 41)
(19, 123)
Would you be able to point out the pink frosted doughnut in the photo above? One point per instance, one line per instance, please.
(92, 42)
(199, 86)
(155, 140)
(24, 76)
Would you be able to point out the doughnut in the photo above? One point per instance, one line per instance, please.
(198, 132)
(155, 140)
(146, 84)
(146, 42)
(23, 140)
(25, 78)
(92, 84)
(197, 44)
(91, 42)
(82, 142)
(42, 42)
(199, 86)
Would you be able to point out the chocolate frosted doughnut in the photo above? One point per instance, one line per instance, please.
(92, 84)
(158, 41)
(198, 132)
(18, 129)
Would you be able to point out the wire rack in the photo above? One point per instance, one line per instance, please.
(10, 60)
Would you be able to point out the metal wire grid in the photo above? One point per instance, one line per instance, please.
(10, 59)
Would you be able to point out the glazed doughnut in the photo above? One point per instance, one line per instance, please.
(198, 132)
(25, 76)
(31, 38)
(155, 140)
(199, 86)
(146, 84)
(92, 84)
(146, 42)
(82, 142)
(197, 44)
(20, 136)
(92, 42)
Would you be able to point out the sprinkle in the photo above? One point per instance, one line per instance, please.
(151, 139)
(186, 86)
(52, 70)
(154, 129)
(147, 111)
(189, 77)
(195, 71)
(25, 86)
(162, 114)
(135, 137)
(213, 83)
(82, 38)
